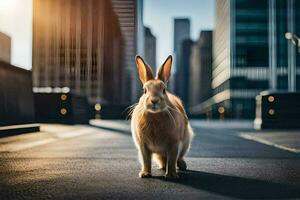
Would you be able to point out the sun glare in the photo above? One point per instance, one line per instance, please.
(7, 5)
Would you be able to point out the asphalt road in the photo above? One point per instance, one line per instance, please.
(102, 164)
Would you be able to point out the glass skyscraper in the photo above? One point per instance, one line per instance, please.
(182, 31)
(251, 53)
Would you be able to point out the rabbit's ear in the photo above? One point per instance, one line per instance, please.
(164, 71)
(145, 72)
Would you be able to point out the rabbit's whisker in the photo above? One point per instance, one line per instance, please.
(171, 116)
(130, 110)
(173, 109)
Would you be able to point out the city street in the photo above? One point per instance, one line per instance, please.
(88, 162)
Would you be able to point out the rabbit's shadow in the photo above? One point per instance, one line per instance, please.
(232, 186)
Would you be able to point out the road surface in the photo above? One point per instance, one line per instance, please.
(84, 162)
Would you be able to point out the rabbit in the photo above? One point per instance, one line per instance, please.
(159, 124)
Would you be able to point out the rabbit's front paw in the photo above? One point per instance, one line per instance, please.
(181, 164)
(143, 174)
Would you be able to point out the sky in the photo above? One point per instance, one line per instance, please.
(16, 21)
(159, 16)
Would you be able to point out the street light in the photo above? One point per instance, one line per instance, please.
(295, 40)
(97, 108)
(292, 60)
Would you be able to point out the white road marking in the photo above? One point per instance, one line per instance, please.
(111, 125)
(266, 142)
(20, 144)
(18, 147)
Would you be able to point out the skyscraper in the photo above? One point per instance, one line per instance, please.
(130, 14)
(182, 76)
(200, 76)
(77, 44)
(248, 42)
(181, 33)
(150, 48)
(5, 47)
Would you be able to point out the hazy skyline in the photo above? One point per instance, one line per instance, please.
(16, 21)
(159, 16)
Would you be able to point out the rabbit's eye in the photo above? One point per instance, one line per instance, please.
(145, 90)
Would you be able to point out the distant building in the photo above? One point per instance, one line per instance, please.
(130, 13)
(181, 33)
(16, 99)
(248, 42)
(16, 96)
(200, 76)
(182, 76)
(150, 48)
(5, 48)
(77, 45)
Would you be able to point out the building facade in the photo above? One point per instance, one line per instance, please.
(181, 33)
(16, 96)
(16, 99)
(200, 76)
(250, 52)
(77, 45)
(5, 48)
(150, 48)
(130, 15)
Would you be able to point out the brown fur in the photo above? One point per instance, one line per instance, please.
(160, 130)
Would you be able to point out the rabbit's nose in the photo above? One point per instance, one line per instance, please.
(154, 100)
